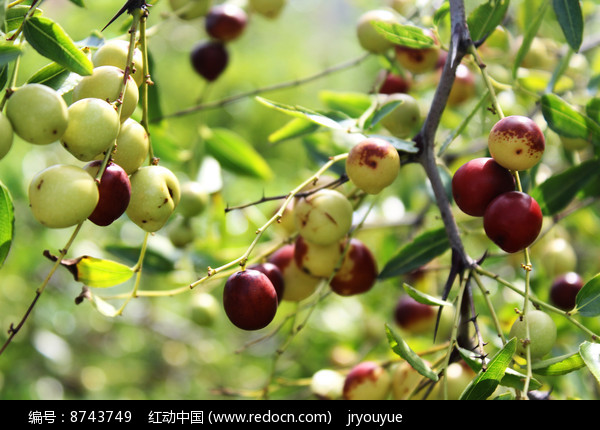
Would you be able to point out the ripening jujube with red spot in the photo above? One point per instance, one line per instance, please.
(358, 272)
(516, 142)
(372, 165)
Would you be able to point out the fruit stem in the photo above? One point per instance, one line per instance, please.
(146, 81)
(138, 271)
(486, 79)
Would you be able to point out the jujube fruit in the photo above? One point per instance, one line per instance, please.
(317, 260)
(209, 59)
(358, 271)
(249, 299)
(114, 193)
(225, 22)
(564, 289)
(132, 146)
(513, 221)
(542, 333)
(38, 114)
(105, 83)
(298, 285)
(62, 196)
(372, 165)
(323, 217)
(413, 316)
(403, 120)
(367, 381)
(155, 194)
(114, 53)
(516, 142)
(479, 181)
(419, 60)
(93, 127)
(368, 36)
(274, 274)
(6, 136)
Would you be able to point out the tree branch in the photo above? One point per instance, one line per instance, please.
(425, 139)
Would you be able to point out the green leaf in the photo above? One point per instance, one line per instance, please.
(569, 16)
(486, 17)
(8, 53)
(98, 272)
(486, 382)
(426, 299)
(79, 3)
(333, 120)
(401, 348)
(530, 33)
(15, 16)
(53, 75)
(559, 365)
(297, 127)
(51, 41)
(556, 192)
(404, 35)
(587, 302)
(234, 153)
(7, 222)
(352, 104)
(511, 378)
(565, 120)
(590, 352)
(103, 307)
(415, 254)
(3, 76)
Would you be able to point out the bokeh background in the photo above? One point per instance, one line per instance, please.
(170, 348)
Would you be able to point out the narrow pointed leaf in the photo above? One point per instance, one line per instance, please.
(565, 120)
(52, 75)
(401, 348)
(297, 127)
(333, 120)
(103, 307)
(530, 33)
(590, 352)
(486, 17)
(556, 192)
(97, 272)
(569, 16)
(51, 41)
(559, 365)
(415, 254)
(16, 14)
(352, 104)
(234, 153)
(8, 53)
(587, 302)
(426, 299)
(511, 378)
(486, 382)
(404, 35)
(7, 221)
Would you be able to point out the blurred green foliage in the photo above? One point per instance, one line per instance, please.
(156, 350)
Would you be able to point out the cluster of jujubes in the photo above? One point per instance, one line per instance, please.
(485, 187)
(223, 24)
(322, 250)
(96, 128)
